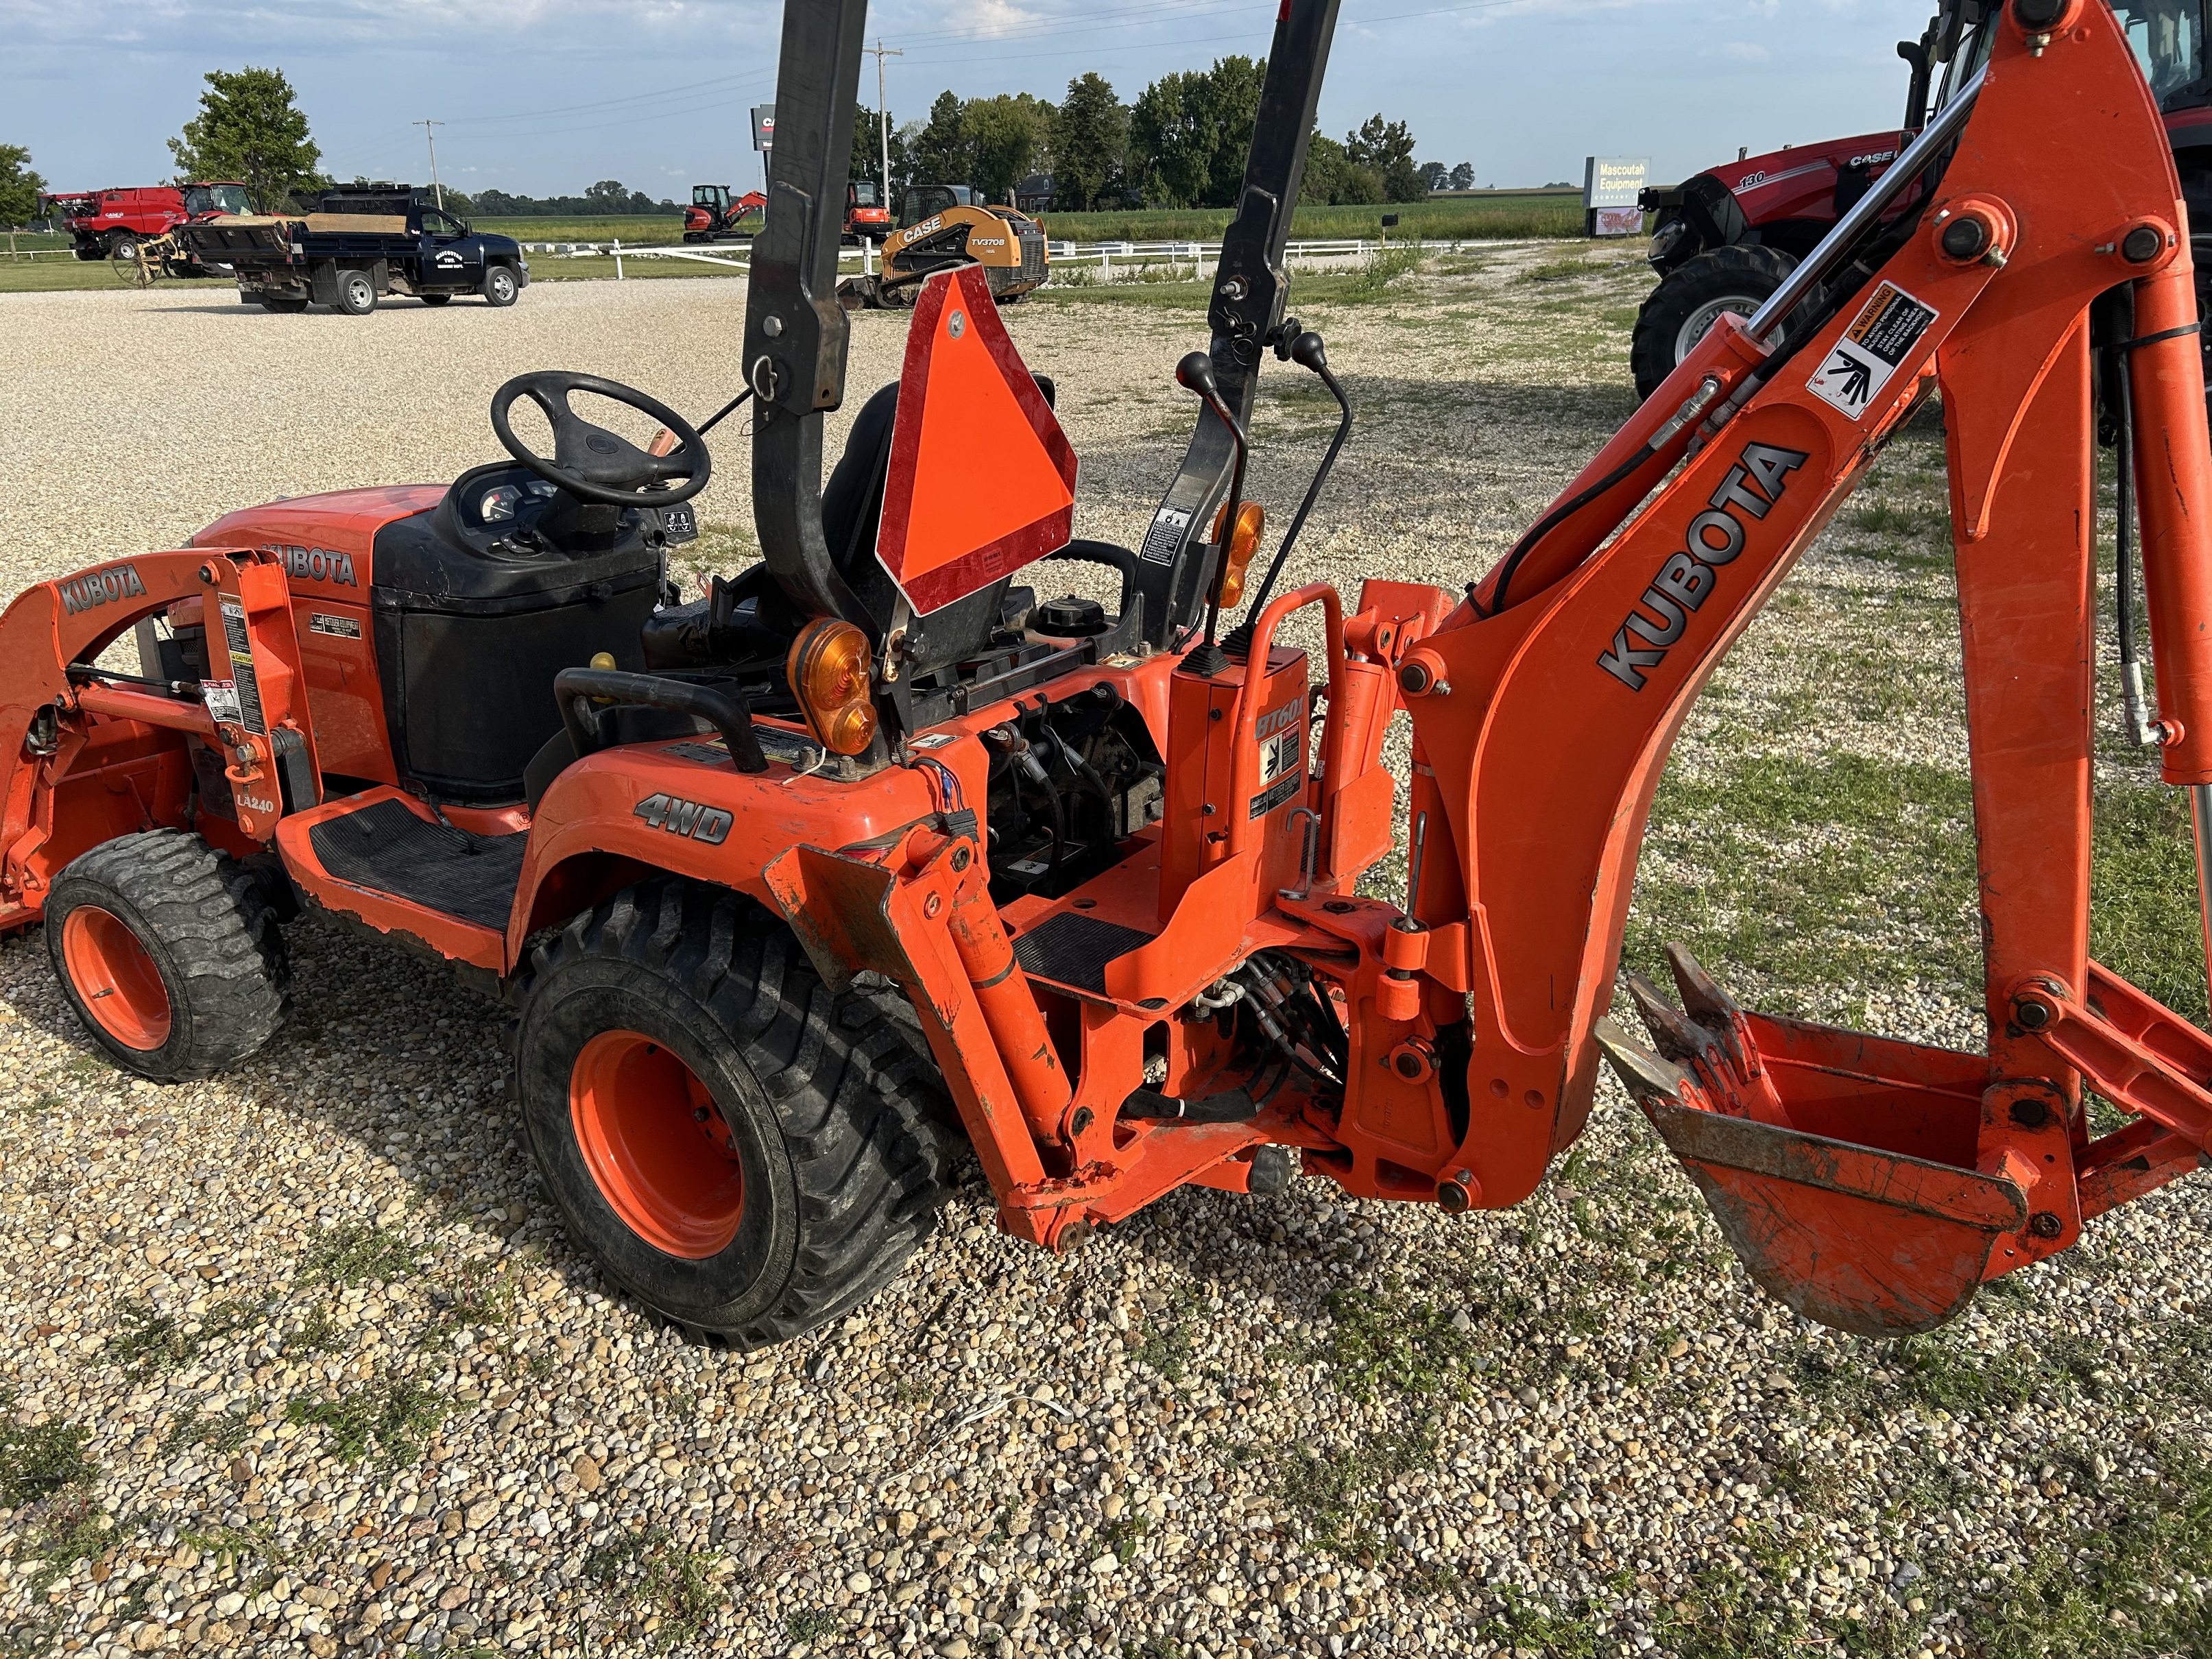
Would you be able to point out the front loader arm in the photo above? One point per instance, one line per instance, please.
(1542, 756)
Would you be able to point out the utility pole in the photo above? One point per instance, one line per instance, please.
(430, 133)
(883, 109)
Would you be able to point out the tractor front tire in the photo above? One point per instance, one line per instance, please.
(169, 952)
(745, 1150)
(1691, 298)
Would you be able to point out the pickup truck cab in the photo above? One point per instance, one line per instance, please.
(358, 245)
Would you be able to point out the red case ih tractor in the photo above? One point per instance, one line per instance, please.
(866, 851)
(1724, 239)
(109, 224)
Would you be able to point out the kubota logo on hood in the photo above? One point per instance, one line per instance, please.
(316, 563)
(100, 587)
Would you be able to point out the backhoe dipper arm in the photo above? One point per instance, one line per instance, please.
(1176, 570)
(795, 332)
(1546, 725)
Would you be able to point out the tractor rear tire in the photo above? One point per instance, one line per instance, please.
(1690, 299)
(745, 1150)
(169, 952)
(435, 299)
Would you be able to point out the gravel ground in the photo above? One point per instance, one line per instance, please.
(304, 1364)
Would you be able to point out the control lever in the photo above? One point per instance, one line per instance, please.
(1306, 351)
(1195, 373)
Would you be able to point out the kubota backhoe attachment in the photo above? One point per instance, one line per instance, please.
(1870, 1183)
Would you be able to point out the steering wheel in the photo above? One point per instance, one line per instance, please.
(593, 463)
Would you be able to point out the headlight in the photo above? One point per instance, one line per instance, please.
(1670, 236)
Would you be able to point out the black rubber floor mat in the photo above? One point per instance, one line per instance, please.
(387, 849)
(1069, 949)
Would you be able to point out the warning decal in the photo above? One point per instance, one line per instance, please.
(1164, 536)
(1860, 364)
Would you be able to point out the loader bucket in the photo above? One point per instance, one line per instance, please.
(1847, 1189)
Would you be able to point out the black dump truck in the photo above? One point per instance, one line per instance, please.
(354, 246)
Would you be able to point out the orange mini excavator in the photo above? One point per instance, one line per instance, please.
(869, 850)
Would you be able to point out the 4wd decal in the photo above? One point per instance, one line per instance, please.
(317, 563)
(710, 825)
(1688, 578)
(100, 587)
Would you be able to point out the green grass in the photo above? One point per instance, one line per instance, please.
(648, 1575)
(1466, 218)
(38, 1460)
(356, 1253)
(59, 276)
(594, 267)
(640, 230)
(1840, 870)
(150, 1342)
(1336, 1495)
(392, 1420)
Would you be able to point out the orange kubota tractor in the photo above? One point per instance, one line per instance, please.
(869, 850)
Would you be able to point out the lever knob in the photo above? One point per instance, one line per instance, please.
(1308, 352)
(1195, 373)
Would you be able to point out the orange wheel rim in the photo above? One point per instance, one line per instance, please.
(656, 1145)
(116, 979)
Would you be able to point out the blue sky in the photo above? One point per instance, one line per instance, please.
(545, 96)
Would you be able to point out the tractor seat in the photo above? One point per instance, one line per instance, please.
(757, 621)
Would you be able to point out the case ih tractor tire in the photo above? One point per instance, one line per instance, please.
(169, 951)
(436, 299)
(290, 304)
(357, 292)
(500, 287)
(745, 1150)
(1690, 299)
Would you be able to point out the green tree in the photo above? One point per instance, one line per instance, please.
(19, 190)
(1462, 176)
(868, 151)
(1333, 178)
(250, 129)
(1233, 94)
(1433, 174)
(1008, 136)
(943, 154)
(1090, 145)
(1386, 148)
(1189, 132)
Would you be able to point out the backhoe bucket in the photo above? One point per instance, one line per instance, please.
(1839, 1165)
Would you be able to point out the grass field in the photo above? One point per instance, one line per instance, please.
(1459, 218)
(639, 230)
(1529, 213)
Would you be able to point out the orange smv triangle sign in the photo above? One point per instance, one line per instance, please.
(981, 479)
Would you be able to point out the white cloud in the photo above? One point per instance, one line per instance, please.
(1739, 51)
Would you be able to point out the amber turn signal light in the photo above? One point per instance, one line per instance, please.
(1243, 543)
(830, 673)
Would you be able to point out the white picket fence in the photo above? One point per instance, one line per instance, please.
(1109, 262)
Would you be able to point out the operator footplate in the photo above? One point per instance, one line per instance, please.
(386, 848)
(383, 858)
